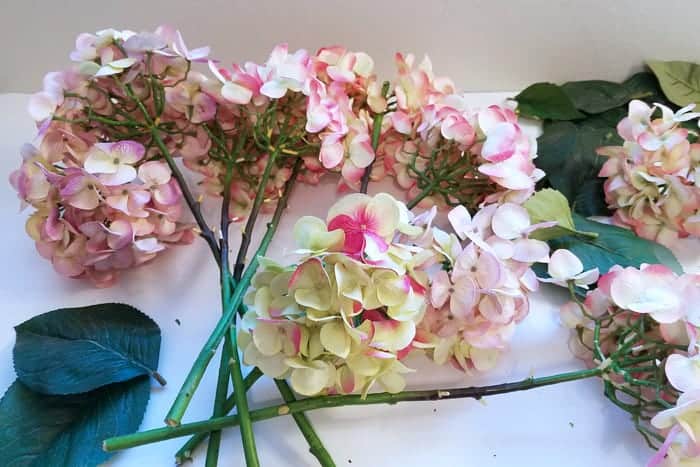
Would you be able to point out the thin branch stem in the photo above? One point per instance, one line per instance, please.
(185, 452)
(212, 458)
(316, 446)
(200, 364)
(376, 133)
(194, 206)
(252, 217)
(313, 403)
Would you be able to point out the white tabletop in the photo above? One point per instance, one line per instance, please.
(570, 424)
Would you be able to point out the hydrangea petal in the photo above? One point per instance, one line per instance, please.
(334, 339)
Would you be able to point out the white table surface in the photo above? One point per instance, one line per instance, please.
(566, 425)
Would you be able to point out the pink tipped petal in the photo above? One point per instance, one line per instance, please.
(464, 297)
(124, 174)
(128, 152)
(154, 173)
(41, 106)
(331, 154)
(510, 221)
(564, 265)
(532, 251)
(440, 289)
(401, 122)
(361, 152)
(236, 93)
(683, 372)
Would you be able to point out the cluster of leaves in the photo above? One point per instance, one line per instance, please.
(580, 116)
(597, 245)
(83, 375)
(577, 118)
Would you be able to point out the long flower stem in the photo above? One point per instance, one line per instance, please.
(206, 232)
(253, 216)
(194, 377)
(241, 398)
(212, 458)
(376, 133)
(230, 362)
(239, 394)
(185, 452)
(316, 446)
(313, 403)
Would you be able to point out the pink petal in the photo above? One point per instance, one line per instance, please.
(332, 152)
(361, 152)
(531, 251)
(128, 152)
(234, 92)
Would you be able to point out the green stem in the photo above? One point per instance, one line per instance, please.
(313, 403)
(252, 217)
(316, 446)
(206, 232)
(185, 452)
(241, 398)
(421, 196)
(212, 458)
(194, 377)
(376, 133)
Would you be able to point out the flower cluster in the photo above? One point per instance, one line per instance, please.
(241, 128)
(480, 290)
(376, 282)
(104, 198)
(101, 208)
(343, 318)
(641, 325)
(652, 179)
(438, 146)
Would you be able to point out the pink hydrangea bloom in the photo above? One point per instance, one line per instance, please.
(651, 179)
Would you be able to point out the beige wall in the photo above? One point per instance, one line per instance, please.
(483, 45)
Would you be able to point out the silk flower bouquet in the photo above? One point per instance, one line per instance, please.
(377, 278)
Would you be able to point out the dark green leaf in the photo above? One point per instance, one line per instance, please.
(74, 350)
(614, 245)
(644, 86)
(568, 156)
(546, 101)
(596, 96)
(680, 81)
(40, 430)
(590, 199)
(607, 120)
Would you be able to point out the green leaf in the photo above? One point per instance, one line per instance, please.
(596, 96)
(590, 199)
(613, 245)
(680, 81)
(607, 120)
(550, 205)
(40, 430)
(644, 86)
(74, 350)
(546, 101)
(567, 154)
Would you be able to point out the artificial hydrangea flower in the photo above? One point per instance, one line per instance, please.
(564, 266)
(342, 319)
(622, 299)
(652, 178)
(480, 292)
(100, 211)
